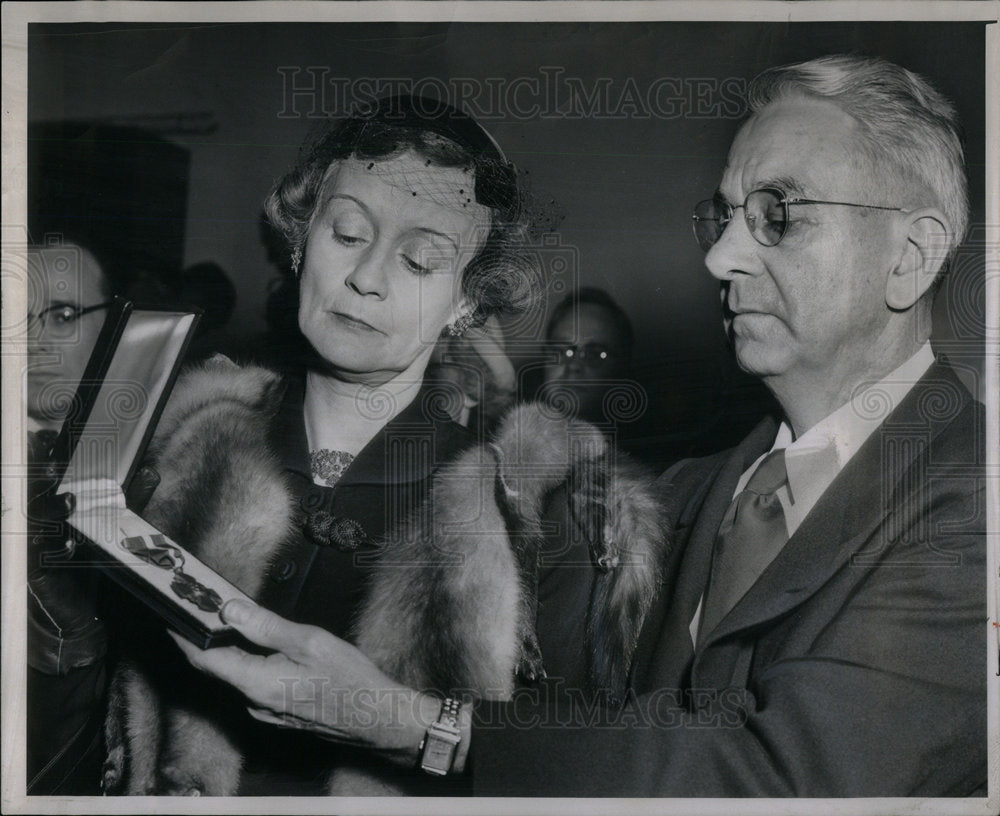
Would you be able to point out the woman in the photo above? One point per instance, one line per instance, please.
(403, 225)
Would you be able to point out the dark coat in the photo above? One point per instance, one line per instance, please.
(855, 666)
(310, 578)
(325, 585)
(387, 481)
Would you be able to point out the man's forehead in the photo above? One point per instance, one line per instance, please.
(804, 145)
(68, 272)
(588, 322)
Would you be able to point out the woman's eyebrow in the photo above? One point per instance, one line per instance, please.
(346, 197)
(363, 206)
(439, 234)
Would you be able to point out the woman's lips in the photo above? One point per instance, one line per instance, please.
(352, 322)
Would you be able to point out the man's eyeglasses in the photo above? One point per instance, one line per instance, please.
(60, 320)
(592, 354)
(765, 211)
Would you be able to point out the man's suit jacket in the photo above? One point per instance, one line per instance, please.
(855, 666)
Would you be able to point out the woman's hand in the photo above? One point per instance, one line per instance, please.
(317, 682)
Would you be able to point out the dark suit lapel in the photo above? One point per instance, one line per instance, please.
(695, 535)
(852, 508)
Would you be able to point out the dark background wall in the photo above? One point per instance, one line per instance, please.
(623, 163)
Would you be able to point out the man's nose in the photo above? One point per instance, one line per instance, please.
(576, 365)
(736, 251)
(35, 333)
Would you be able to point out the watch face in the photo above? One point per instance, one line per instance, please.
(438, 755)
(439, 748)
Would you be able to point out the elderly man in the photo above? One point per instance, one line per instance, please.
(821, 628)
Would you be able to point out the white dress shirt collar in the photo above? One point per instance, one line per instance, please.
(815, 458)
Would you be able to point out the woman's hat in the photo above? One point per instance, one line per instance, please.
(496, 178)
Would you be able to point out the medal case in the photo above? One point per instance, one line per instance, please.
(99, 450)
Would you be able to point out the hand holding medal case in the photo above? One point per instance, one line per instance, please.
(124, 388)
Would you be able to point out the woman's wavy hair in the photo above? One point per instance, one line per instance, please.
(503, 277)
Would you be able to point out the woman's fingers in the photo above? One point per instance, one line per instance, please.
(280, 720)
(228, 663)
(299, 642)
(340, 695)
(261, 679)
(313, 680)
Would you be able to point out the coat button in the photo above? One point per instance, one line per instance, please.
(284, 571)
(311, 501)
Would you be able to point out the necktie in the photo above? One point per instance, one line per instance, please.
(752, 533)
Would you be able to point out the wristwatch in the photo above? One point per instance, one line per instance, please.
(438, 747)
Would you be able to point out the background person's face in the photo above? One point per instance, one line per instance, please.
(382, 268)
(58, 352)
(586, 376)
(813, 307)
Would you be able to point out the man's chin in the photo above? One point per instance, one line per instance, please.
(759, 359)
(44, 417)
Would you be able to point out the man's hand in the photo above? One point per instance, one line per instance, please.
(317, 682)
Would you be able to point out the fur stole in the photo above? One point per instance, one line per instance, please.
(455, 611)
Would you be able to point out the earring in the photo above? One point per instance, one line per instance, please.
(296, 260)
(461, 325)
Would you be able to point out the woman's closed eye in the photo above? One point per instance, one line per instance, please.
(414, 265)
(351, 229)
(349, 235)
(346, 239)
(422, 257)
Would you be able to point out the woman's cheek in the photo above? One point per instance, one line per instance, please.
(310, 307)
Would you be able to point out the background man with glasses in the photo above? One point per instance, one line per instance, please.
(591, 339)
(822, 623)
(68, 293)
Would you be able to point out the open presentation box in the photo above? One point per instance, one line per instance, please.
(100, 446)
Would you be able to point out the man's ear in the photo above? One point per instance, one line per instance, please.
(924, 253)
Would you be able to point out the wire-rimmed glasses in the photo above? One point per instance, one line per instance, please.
(59, 321)
(765, 212)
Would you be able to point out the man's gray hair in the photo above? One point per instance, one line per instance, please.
(909, 127)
